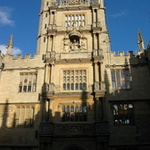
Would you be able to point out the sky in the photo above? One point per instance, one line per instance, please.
(20, 18)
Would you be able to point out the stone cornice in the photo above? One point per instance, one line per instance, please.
(73, 61)
(25, 68)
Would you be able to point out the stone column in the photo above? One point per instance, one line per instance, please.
(49, 43)
(98, 16)
(53, 43)
(50, 110)
(95, 40)
(97, 109)
(99, 71)
(102, 3)
(99, 41)
(52, 72)
(54, 19)
(94, 18)
(96, 71)
(51, 18)
(43, 108)
(47, 70)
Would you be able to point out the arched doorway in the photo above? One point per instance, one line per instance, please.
(74, 147)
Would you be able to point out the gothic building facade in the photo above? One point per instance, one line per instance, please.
(75, 93)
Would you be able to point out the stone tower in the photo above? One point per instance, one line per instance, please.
(74, 93)
(74, 41)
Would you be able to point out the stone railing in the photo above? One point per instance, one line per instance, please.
(99, 86)
(72, 2)
(50, 55)
(52, 27)
(96, 25)
(97, 52)
(73, 129)
(49, 87)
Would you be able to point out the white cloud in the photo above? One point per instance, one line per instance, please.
(5, 14)
(120, 14)
(3, 49)
(15, 50)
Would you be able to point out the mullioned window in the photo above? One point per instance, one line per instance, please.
(24, 116)
(120, 79)
(28, 82)
(74, 80)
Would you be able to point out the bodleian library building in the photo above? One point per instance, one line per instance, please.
(75, 93)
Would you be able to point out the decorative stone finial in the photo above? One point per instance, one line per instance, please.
(9, 46)
(140, 41)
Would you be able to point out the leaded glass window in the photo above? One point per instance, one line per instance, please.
(27, 82)
(74, 112)
(24, 116)
(75, 20)
(123, 114)
(74, 80)
(120, 79)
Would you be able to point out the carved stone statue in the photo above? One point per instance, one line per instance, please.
(65, 45)
(82, 46)
(74, 46)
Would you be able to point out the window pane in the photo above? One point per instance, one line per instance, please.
(84, 86)
(72, 86)
(28, 82)
(74, 80)
(123, 114)
(81, 87)
(20, 88)
(29, 88)
(24, 88)
(64, 86)
(77, 87)
(68, 86)
(120, 79)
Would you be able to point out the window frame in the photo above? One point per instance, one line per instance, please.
(73, 112)
(121, 116)
(75, 20)
(28, 82)
(120, 79)
(24, 116)
(76, 81)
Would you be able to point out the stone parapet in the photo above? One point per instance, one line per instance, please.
(73, 129)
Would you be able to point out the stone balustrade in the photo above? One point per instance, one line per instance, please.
(73, 129)
(98, 86)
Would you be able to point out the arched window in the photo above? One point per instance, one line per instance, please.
(74, 20)
(123, 114)
(24, 116)
(74, 112)
(27, 82)
(74, 80)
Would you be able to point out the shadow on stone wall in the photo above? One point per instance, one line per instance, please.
(15, 135)
(27, 137)
(138, 94)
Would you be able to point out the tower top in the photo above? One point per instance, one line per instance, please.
(9, 46)
(71, 3)
(140, 40)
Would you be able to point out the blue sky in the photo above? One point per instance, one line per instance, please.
(124, 17)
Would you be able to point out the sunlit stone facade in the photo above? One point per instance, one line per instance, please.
(75, 93)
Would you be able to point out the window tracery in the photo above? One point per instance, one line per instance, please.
(123, 113)
(75, 20)
(120, 79)
(24, 116)
(74, 80)
(74, 112)
(27, 82)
